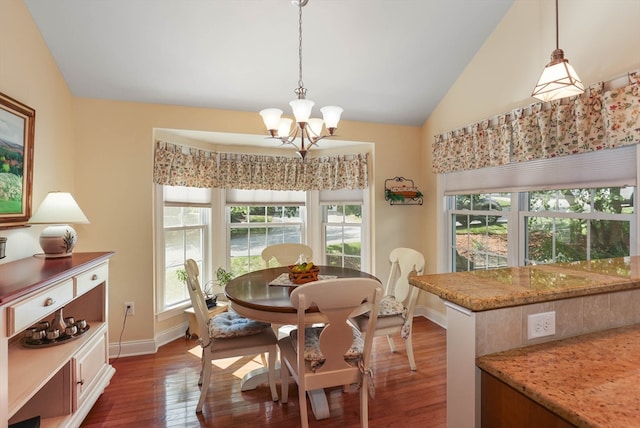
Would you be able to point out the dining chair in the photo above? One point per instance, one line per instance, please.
(398, 305)
(286, 254)
(335, 354)
(230, 335)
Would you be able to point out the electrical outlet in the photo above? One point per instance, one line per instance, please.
(541, 325)
(129, 308)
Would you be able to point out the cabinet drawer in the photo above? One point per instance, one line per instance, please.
(88, 363)
(88, 280)
(25, 313)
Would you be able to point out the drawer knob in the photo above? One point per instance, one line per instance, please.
(94, 277)
(49, 301)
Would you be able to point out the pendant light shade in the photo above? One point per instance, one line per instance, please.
(558, 79)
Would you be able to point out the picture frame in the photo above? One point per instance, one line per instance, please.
(17, 131)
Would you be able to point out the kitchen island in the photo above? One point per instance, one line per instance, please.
(487, 312)
(588, 381)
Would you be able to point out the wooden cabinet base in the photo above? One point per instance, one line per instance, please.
(55, 385)
(503, 406)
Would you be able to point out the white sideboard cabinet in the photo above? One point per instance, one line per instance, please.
(57, 383)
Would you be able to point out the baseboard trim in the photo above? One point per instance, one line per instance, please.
(144, 347)
(431, 315)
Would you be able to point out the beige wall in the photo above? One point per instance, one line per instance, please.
(102, 151)
(29, 74)
(600, 38)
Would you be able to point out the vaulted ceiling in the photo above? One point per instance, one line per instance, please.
(383, 61)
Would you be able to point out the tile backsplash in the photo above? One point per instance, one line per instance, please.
(506, 328)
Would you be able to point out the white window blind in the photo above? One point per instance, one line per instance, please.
(611, 167)
(353, 196)
(191, 195)
(265, 197)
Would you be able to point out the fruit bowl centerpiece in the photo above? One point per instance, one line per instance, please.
(303, 273)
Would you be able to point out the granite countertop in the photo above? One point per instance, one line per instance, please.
(483, 290)
(590, 380)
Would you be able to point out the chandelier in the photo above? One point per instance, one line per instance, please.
(558, 79)
(308, 130)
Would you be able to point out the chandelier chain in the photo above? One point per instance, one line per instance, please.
(300, 91)
(557, 28)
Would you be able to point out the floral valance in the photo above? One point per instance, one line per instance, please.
(596, 120)
(177, 165)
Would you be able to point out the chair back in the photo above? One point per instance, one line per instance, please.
(286, 254)
(198, 300)
(338, 299)
(405, 262)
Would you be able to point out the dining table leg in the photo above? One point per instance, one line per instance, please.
(260, 376)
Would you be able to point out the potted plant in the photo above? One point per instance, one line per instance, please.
(222, 278)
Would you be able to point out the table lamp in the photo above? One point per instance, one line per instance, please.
(57, 210)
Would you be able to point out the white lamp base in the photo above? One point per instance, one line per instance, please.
(58, 240)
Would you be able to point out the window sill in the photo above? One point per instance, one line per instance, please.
(172, 312)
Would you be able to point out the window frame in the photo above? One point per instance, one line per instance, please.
(219, 248)
(517, 225)
(162, 313)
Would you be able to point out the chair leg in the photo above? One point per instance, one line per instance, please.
(391, 345)
(364, 403)
(302, 399)
(202, 360)
(264, 360)
(409, 345)
(206, 379)
(284, 382)
(272, 373)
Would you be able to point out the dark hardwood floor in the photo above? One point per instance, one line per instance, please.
(161, 390)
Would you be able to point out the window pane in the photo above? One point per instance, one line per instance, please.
(172, 216)
(552, 240)
(175, 290)
(480, 246)
(481, 234)
(261, 226)
(610, 238)
(174, 248)
(343, 235)
(239, 214)
(184, 237)
(192, 216)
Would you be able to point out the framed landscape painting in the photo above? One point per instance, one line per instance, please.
(17, 125)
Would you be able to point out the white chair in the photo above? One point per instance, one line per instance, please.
(336, 354)
(230, 335)
(399, 302)
(286, 254)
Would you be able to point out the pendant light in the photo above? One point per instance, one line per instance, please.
(558, 79)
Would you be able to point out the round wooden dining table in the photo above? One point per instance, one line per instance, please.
(254, 296)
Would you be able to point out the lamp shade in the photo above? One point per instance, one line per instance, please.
(331, 115)
(271, 118)
(315, 127)
(284, 127)
(301, 109)
(558, 80)
(58, 209)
